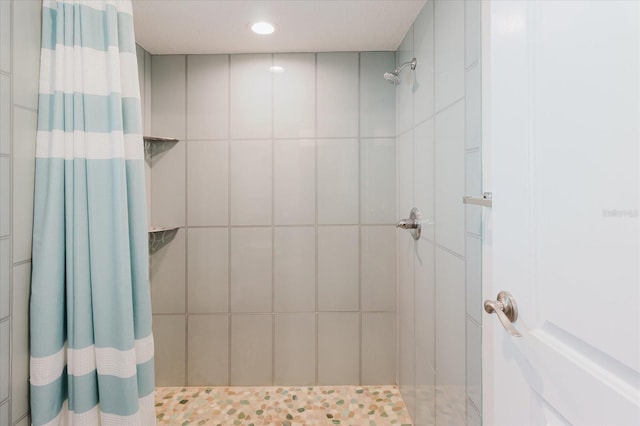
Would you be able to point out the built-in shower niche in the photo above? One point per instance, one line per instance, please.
(159, 236)
(154, 145)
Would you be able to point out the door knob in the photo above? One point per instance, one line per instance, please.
(506, 309)
(413, 224)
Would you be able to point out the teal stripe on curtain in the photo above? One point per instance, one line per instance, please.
(97, 31)
(90, 301)
(83, 391)
(71, 112)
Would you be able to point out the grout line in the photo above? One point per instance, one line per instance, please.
(273, 229)
(10, 375)
(317, 266)
(186, 223)
(359, 223)
(229, 147)
(303, 225)
(435, 164)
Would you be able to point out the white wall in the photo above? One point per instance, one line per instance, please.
(283, 270)
(438, 160)
(19, 75)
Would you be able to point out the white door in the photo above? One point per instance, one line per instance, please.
(562, 117)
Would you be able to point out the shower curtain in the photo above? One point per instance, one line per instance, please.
(90, 329)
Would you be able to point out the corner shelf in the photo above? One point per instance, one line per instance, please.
(154, 145)
(159, 236)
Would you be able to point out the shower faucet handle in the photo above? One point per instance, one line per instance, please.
(414, 223)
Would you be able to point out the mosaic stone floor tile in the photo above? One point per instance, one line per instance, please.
(281, 406)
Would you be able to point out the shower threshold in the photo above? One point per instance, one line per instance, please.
(281, 405)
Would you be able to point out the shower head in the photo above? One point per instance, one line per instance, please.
(393, 77)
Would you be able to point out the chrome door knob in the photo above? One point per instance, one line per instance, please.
(506, 310)
(414, 223)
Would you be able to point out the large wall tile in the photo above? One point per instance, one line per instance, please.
(5, 112)
(24, 152)
(474, 363)
(4, 408)
(377, 96)
(449, 52)
(147, 93)
(450, 326)
(20, 341)
(424, 174)
(295, 269)
(294, 95)
(170, 349)
(207, 96)
(449, 189)
(208, 183)
(404, 91)
(294, 182)
(5, 359)
(5, 196)
(378, 291)
(406, 286)
(338, 266)
(167, 274)
(378, 348)
(251, 96)
(424, 53)
(424, 301)
(338, 181)
(168, 101)
(168, 181)
(251, 350)
(5, 277)
(208, 268)
(251, 266)
(405, 175)
(338, 348)
(208, 349)
(406, 370)
(251, 182)
(425, 389)
(473, 416)
(295, 349)
(473, 107)
(5, 36)
(473, 256)
(27, 23)
(473, 186)
(473, 35)
(337, 88)
(377, 181)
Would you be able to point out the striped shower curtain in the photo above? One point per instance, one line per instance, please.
(91, 341)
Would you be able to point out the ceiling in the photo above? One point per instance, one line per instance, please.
(217, 26)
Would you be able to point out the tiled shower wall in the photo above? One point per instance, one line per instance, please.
(283, 186)
(19, 75)
(438, 153)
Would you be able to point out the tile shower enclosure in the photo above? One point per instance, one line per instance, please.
(283, 186)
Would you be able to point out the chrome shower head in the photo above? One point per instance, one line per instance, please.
(393, 77)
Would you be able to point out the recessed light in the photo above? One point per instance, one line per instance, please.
(263, 28)
(276, 69)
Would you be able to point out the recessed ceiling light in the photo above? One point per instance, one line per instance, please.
(276, 69)
(263, 28)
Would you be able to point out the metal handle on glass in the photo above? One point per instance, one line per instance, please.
(506, 309)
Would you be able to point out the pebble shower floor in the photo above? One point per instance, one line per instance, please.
(281, 406)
